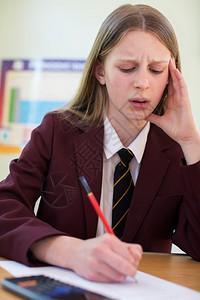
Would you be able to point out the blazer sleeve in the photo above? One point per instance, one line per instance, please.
(187, 234)
(19, 227)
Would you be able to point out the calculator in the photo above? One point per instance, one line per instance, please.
(45, 288)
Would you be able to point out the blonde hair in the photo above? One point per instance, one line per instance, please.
(90, 101)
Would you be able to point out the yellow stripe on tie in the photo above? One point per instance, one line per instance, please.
(120, 219)
(123, 195)
(121, 177)
(130, 152)
(122, 163)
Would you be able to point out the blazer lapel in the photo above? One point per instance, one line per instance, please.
(153, 167)
(89, 156)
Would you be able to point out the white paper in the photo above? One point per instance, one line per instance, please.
(147, 287)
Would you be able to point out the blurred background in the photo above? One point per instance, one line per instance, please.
(61, 32)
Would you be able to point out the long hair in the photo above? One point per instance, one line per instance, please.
(90, 101)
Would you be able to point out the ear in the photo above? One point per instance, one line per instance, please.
(99, 73)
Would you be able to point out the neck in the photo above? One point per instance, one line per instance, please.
(127, 130)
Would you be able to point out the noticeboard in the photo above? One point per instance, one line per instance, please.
(28, 90)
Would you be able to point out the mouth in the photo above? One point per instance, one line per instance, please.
(139, 102)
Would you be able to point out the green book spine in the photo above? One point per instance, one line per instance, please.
(13, 95)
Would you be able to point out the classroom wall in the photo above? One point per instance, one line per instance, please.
(66, 29)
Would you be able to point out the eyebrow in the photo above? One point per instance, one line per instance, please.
(157, 61)
(160, 61)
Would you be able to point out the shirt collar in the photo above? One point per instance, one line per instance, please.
(112, 143)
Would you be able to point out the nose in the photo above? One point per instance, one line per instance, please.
(141, 80)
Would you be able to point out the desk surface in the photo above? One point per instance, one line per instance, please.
(179, 269)
(176, 268)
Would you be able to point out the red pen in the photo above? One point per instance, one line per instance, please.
(95, 204)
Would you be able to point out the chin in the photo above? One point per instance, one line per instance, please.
(141, 116)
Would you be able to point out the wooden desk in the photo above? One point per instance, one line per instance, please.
(179, 269)
(176, 268)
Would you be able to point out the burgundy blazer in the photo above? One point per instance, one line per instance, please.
(165, 207)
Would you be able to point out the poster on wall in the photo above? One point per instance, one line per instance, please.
(29, 89)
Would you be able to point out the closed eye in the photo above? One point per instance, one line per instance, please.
(127, 70)
(156, 71)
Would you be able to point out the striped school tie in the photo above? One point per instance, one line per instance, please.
(122, 192)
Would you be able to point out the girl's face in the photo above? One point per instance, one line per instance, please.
(135, 73)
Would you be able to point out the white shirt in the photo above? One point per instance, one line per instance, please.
(112, 144)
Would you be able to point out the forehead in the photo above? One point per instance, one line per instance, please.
(138, 43)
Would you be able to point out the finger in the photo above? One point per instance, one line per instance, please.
(109, 274)
(136, 251)
(102, 272)
(177, 82)
(113, 252)
(182, 84)
(173, 86)
(122, 249)
(155, 119)
(117, 255)
(170, 81)
(121, 264)
(170, 87)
